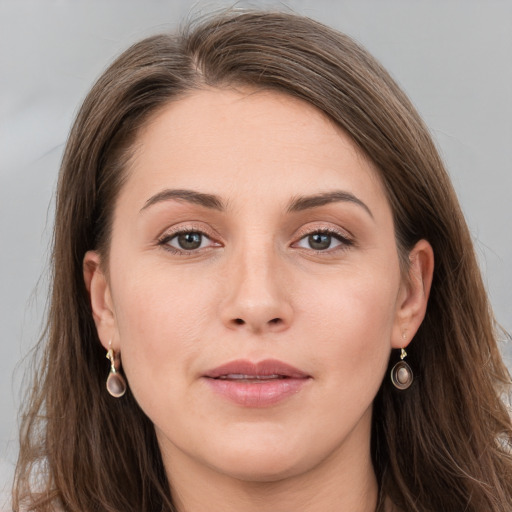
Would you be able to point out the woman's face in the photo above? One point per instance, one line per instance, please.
(254, 289)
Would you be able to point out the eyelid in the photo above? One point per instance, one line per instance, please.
(170, 233)
(345, 238)
(312, 228)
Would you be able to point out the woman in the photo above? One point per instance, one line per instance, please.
(247, 220)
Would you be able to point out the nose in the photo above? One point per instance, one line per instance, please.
(257, 298)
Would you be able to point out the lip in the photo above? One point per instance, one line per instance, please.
(259, 384)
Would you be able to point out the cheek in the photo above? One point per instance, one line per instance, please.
(355, 303)
(352, 326)
(154, 306)
(161, 321)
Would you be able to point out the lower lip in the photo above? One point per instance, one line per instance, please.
(257, 394)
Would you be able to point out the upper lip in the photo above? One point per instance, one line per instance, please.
(266, 368)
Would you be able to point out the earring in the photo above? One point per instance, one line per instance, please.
(401, 373)
(116, 385)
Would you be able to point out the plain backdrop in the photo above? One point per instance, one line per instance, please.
(454, 59)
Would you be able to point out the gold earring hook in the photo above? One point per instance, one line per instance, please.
(110, 356)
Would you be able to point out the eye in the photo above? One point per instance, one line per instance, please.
(323, 241)
(186, 241)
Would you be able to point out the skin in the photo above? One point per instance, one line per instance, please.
(256, 289)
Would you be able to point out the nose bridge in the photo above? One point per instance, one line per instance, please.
(256, 299)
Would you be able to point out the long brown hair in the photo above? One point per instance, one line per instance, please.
(442, 445)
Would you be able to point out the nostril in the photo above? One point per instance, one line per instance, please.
(274, 321)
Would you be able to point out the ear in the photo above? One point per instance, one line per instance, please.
(101, 300)
(413, 295)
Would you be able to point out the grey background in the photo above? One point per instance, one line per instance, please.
(454, 58)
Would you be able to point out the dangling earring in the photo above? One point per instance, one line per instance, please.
(401, 373)
(116, 385)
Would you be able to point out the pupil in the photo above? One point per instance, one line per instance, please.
(319, 241)
(189, 240)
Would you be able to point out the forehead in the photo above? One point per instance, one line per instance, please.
(237, 142)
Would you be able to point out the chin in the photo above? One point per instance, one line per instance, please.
(265, 463)
(263, 473)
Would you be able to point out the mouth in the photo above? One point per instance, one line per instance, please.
(269, 369)
(257, 385)
(251, 378)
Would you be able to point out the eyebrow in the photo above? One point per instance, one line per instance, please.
(207, 200)
(214, 202)
(301, 203)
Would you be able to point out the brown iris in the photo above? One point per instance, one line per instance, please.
(319, 241)
(189, 241)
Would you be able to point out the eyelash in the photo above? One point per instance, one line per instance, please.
(164, 240)
(345, 242)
